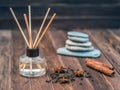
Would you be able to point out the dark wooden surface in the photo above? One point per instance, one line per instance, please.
(12, 47)
(89, 13)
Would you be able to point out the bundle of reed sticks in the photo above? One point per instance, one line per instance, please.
(40, 34)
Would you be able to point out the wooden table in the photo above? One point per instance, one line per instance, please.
(12, 47)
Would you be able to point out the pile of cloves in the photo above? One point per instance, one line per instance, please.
(66, 75)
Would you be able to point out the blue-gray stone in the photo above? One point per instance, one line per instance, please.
(94, 53)
(77, 48)
(72, 43)
(77, 34)
(78, 39)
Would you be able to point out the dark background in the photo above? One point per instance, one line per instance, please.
(70, 13)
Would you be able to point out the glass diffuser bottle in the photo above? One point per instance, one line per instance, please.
(32, 64)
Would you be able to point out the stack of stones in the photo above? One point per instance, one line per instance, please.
(78, 44)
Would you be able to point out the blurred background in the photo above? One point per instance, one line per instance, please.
(70, 13)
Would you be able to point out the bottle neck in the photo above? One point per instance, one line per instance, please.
(32, 52)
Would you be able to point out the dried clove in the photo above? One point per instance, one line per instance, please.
(59, 70)
(64, 80)
(79, 73)
(80, 83)
(65, 75)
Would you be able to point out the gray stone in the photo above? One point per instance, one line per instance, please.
(94, 53)
(72, 43)
(78, 39)
(77, 34)
(77, 48)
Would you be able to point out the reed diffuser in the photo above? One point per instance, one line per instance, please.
(32, 64)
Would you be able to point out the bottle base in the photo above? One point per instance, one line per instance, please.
(34, 73)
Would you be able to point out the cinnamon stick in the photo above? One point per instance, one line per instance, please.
(99, 67)
(99, 63)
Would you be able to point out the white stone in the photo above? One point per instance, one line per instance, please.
(94, 53)
(76, 48)
(77, 34)
(78, 39)
(72, 43)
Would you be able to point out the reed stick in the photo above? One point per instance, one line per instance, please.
(31, 66)
(36, 39)
(24, 67)
(31, 41)
(39, 66)
(45, 30)
(19, 27)
(21, 65)
(28, 29)
(29, 11)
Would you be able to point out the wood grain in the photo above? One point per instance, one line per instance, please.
(5, 60)
(108, 56)
(52, 60)
(40, 82)
(12, 46)
(18, 49)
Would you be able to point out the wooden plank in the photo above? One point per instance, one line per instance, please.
(81, 1)
(18, 44)
(5, 60)
(52, 60)
(116, 32)
(67, 24)
(109, 53)
(59, 1)
(39, 83)
(106, 79)
(63, 10)
(113, 39)
(110, 80)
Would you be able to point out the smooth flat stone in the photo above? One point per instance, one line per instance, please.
(78, 39)
(94, 53)
(77, 34)
(77, 48)
(72, 43)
